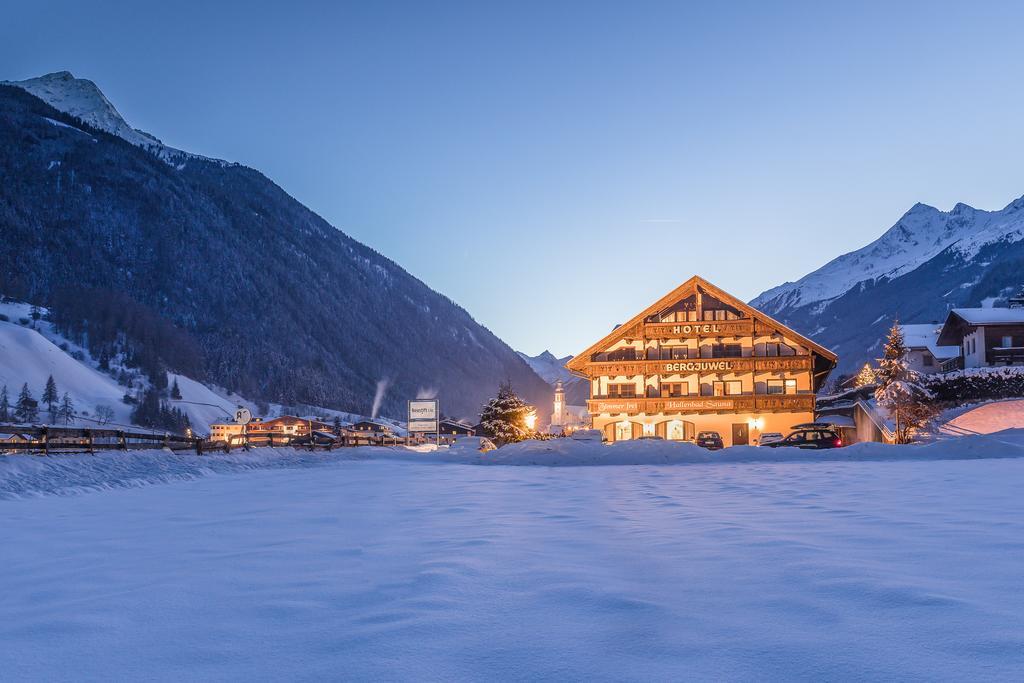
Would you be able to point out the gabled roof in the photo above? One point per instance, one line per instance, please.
(926, 336)
(959, 319)
(990, 316)
(580, 360)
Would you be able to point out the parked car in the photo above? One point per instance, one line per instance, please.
(710, 440)
(769, 437)
(814, 437)
(586, 435)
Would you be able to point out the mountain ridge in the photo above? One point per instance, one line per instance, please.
(928, 262)
(279, 304)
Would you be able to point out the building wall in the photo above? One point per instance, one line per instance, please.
(974, 349)
(917, 361)
(771, 422)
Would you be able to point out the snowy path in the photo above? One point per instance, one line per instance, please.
(399, 570)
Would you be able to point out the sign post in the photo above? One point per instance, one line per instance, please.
(243, 417)
(424, 417)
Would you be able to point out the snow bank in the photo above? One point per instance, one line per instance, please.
(27, 475)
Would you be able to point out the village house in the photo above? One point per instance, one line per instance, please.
(287, 426)
(699, 359)
(984, 337)
(924, 355)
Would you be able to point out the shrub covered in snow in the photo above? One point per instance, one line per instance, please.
(977, 384)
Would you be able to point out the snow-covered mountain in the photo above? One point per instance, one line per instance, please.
(926, 263)
(549, 368)
(552, 369)
(81, 98)
(211, 271)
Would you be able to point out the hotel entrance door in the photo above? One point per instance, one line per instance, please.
(740, 435)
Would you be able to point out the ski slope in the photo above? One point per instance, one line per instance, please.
(384, 564)
(28, 356)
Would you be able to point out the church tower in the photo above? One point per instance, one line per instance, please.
(558, 416)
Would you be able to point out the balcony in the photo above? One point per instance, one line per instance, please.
(687, 366)
(1006, 355)
(743, 403)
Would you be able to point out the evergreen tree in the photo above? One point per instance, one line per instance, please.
(865, 377)
(175, 391)
(899, 390)
(67, 409)
(5, 405)
(26, 409)
(506, 416)
(36, 315)
(50, 396)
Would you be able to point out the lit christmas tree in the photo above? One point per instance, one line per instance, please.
(507, 417)
(865, 377)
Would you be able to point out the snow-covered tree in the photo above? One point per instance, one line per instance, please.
(26, 409)
(50, 396)
(66, 412)
(865, 377)
(899, 389)
(506, 417)
(5, 405)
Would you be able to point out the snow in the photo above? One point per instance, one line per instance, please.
(28, 356)
(925, 336)
(549, 368)
(990, 316)
(987, 418)
(82, 99)
(365, 564)
(921, 234)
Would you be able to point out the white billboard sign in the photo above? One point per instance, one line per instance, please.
(423, 415)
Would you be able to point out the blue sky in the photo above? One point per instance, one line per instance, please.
(507, 155)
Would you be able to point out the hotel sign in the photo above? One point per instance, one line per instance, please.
(699, 366)
(423, 415)
(700, 404)
(730, 328)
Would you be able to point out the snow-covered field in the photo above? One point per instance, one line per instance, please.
(894, 563)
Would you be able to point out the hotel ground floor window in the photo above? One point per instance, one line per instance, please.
(730, 388)
(624, 430)
(781, 386)
(675, 430)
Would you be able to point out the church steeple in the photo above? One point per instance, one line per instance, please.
(558, 416)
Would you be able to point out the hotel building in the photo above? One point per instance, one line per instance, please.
(698, 360)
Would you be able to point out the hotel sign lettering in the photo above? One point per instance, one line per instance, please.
(617, 406)
(730, 328)
(700, 404)
(699, 366)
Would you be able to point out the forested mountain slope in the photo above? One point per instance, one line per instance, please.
(209, 268)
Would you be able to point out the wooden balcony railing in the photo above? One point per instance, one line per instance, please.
(706, 404)
(630, 368)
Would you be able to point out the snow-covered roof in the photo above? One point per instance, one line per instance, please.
(991, 316)
(925, 336)
(838, 420)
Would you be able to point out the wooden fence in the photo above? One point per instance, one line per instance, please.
(76, 440)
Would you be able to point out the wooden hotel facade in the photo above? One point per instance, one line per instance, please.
(698, 360)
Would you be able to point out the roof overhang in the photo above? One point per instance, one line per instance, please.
(578, 362)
